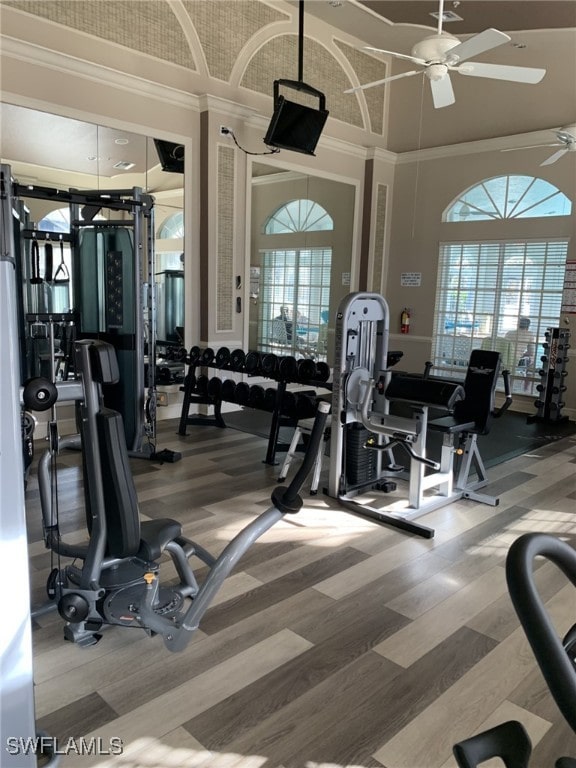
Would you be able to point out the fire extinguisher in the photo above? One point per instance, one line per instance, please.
(405, 321)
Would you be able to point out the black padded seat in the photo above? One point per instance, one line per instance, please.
(155, 535)
(451, 425)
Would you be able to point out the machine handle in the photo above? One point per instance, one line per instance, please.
(287, 499)
(552, 655)
(508, 394)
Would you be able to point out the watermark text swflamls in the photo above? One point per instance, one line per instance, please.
(43, 745)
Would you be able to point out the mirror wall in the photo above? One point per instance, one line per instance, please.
(301, 260)
(50, 151)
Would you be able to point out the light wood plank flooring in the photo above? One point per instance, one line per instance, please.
(337, 642)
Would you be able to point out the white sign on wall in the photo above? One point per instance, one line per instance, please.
(411, 279)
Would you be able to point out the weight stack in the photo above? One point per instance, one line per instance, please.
(360, 462)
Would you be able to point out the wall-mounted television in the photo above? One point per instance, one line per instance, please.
(171, 156)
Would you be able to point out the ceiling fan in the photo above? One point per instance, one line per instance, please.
(443, 53)
(566, 141)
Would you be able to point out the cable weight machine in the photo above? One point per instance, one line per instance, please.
(112, 289)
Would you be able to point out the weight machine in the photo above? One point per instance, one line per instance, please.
(556, 657)
(365, 434)
(114, 579)
(111, 288)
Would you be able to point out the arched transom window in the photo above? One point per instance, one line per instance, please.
(508, 197)
(298, 216)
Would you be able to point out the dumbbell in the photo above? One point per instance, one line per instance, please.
(306, 369)
(214, 388)
(305, 407)
(289, 406)
(202, 385)
(194, 355)
(252, 362)
(242, 393)
(163, 374)
(270, 399)
(222, 357)
(179, 354)
(228, 390)
(322, 371)
(207, 356)
(288, 368)
(237, 359)
(269, 365)
(256, 397)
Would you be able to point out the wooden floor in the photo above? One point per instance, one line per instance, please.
(336, 642)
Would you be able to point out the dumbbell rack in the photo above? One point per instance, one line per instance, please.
(552, 375)
(286, 407)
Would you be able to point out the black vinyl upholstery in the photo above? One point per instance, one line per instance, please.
(474, 412)
(508, 741)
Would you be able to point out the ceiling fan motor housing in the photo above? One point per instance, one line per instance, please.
(433, 49)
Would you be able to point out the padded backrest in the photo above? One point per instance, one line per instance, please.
(120, 499)
(104, 443)
(480, 386)
(506, 349)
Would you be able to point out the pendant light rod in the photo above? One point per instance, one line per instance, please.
(301, 42)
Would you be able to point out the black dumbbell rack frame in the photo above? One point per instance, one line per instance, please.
(239, 362)
(552, 376)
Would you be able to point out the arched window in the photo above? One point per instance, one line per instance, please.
(298, 216)
(59, 220)
(500, 294)
(508, 197)
(172, 227)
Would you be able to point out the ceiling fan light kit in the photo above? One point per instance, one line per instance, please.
(443, 53)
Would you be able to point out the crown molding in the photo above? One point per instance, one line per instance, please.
(31, 53)
(475, 147)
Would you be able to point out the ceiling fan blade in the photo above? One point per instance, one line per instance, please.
(485, 41)
(531, 146)
(442, 92)
(384, 80)
(395, 53)
(530, 75)
(555, 156)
